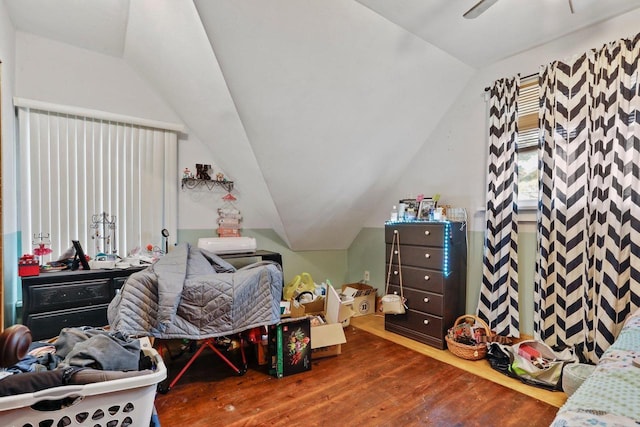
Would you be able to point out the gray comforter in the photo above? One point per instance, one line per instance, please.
(191, 293)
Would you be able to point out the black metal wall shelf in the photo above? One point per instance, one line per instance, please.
(191, 183)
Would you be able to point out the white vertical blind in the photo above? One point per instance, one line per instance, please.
(73, 167)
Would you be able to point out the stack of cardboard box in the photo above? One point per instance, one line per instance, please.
(325, 315)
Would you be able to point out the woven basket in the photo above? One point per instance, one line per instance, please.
(465, 351)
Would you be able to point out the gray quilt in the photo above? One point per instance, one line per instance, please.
(191, 293)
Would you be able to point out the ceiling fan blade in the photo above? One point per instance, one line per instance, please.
(478, 8)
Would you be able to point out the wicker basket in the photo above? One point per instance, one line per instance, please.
(465, 351)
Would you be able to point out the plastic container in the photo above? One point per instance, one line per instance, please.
(126, 401)
(348, 301)
(394, 214)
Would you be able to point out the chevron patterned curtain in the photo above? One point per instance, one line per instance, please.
(498, 304)
(588, 265)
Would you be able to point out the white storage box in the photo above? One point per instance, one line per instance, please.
(228, 245)
(121, 402)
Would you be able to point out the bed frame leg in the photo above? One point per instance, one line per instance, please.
(209, 342)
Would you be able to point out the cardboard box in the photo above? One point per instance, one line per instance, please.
(326, 339)
(290, 347)
(364, 298)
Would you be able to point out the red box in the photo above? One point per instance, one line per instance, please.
(28, 270)
(528, 352)
(28, 266)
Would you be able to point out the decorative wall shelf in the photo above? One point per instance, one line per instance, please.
(191, 183)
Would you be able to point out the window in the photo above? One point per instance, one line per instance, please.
(528, 132)
(74, 167)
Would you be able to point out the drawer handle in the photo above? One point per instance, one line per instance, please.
(427, 256)
(426, 300)
(395, 252)
(395, 231)
(427, 232)
(425, 321)
(427, 278)
(395, 273)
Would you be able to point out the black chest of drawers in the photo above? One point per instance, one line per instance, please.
(52, 301)
(433, 258)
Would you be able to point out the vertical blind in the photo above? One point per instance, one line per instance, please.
(74, 167)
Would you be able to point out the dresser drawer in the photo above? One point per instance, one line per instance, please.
(49, 325)
(418, 278)
(418, 321)
(417, 234)
(57, 296)
(118, 282)
(427, 302)
(419, 256)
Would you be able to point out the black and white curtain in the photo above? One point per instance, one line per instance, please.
(588, 263)
(498, 304)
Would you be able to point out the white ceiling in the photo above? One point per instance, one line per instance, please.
(320, 105)
(506, 28)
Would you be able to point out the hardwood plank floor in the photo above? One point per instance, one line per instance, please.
(375, 325)
(374, 382)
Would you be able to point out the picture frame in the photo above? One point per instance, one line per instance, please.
(79, 257)
(426, 205)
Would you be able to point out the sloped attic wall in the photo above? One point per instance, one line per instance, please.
(183, 69)
(335, 101)
(313, 108)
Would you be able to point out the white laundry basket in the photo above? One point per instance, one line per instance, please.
(122, 402)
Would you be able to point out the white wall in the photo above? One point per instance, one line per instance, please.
(7, 56)
(59, 73)
(50, 71)
(453, 159)
(9, 197)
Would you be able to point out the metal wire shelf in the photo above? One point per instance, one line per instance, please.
(191, 183)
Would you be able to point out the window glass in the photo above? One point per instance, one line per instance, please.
(528, 133)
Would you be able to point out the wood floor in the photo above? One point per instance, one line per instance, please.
(374, 382)
(375, 325)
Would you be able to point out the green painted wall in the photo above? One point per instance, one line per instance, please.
(322, 265)
(367, 253)
(12, 284)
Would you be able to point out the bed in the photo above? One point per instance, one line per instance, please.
(610, 396)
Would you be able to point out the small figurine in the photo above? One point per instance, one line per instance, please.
(220, 177)
(187, 173)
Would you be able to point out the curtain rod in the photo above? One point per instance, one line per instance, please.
(487, 89)
(96, 114)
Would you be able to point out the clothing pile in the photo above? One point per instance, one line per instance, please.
(79, 356)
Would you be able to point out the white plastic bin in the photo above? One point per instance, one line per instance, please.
(348, 301)
(121, 402)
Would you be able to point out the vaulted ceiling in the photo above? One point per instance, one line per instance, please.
(320, 105)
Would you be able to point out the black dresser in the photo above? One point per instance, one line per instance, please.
(52, 301)
(433, 257)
